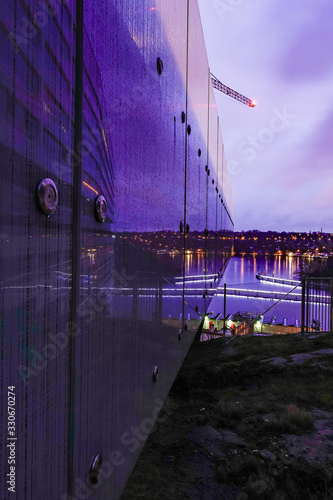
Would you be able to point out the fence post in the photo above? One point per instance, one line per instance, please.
(224, 310)
(307, 304)
(303, 307)
(331, 305)
(160, 297)
(135, 299)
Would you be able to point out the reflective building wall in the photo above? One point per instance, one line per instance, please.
(115, 227)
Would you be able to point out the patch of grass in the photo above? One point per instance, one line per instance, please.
(327, 398)
(302, 420)
(239, 472)
(230, 414)
(290, 485)
(241, 429)
(260, 407)
(298, 422)
(305, 482)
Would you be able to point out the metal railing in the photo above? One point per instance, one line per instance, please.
(317, 304)
(251, 309)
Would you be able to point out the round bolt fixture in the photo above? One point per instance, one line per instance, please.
(217, 191)
(159, 66)
(47, 197)
(189, 129)
(213, 181)
(206, 168)
(95, 469)
(199, 152)
(100, 208)
(208, 172)
(155, 373)
(183, 116)
(219, 196)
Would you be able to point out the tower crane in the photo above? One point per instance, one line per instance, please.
(230, 92)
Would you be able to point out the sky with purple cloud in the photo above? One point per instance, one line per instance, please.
(280, 154)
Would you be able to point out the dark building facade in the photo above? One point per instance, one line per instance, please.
(115, 227)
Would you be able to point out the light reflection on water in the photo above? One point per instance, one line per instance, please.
(195, 264)
(240, 271)
(244, 269)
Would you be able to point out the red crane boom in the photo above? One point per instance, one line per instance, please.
(230, 92)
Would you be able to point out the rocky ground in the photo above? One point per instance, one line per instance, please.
(252, 420)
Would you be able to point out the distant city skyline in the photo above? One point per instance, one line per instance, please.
(280, 153)
(283, 243)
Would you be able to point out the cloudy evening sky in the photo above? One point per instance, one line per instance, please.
(278, 52)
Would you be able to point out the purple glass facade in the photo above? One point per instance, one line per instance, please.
(151, 146)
